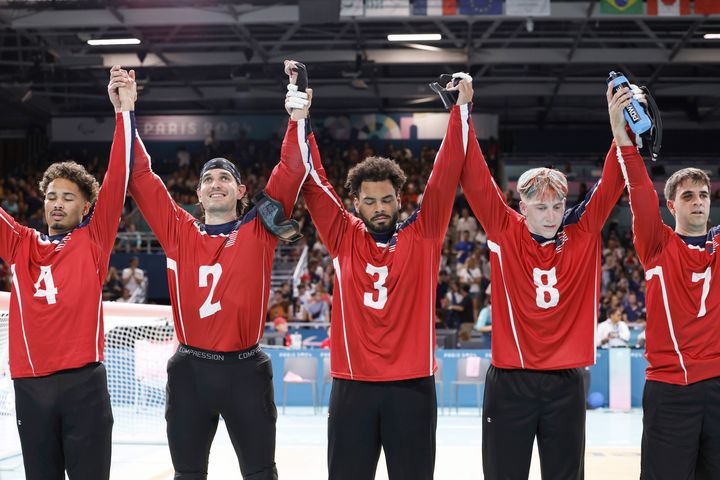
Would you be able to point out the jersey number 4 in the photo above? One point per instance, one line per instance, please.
(49, 291)
(379, 285)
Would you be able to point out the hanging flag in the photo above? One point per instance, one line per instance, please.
(387, 8)
(431, 8)
(352, 8)
(527, 8)
(449, 7)
(668, 8)
(479, 7)
(707, 7)
(622, 7)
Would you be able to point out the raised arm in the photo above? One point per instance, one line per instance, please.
(482, 193)
(105, 216)
(590, 214)
(648, 229)
(288, 176)
(593, 211)
(11, 233)
(149, 192)
(327, 210)
(439, 195)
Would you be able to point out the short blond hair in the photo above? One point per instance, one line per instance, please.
(693, 174)
(539, 182)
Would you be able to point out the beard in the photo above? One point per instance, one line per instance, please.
(381, 230)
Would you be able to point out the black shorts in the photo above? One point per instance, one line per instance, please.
(681, 431)
(521, 405)
(399, 416)
(65, 424)
(202, 385)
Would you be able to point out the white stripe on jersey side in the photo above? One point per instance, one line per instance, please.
(22, 320)
(142, 145)
(336, 264)
(127, 126)
(659, 272)
(432, 318)
(494, 247)
(595, 305)
(465, 133)
(2, 215)
(97, 331)
(464, 111)
(316, 178)
(262, 299)
(304, 152)
(172, 265)
(623, 169)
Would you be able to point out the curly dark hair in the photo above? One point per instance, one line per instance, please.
(375, 169)
(74, 172)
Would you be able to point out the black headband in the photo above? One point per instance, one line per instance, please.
(222, 163)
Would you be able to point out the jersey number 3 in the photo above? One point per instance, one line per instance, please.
(379, 285)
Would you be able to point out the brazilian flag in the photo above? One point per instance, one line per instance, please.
(622, 7)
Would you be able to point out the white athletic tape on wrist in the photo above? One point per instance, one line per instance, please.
(462, 75)
(292, 87)
(295, 103)
(302, 95)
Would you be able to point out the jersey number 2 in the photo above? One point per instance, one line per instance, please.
(546, 295)
(379, 285)
(50, 291)
(208, 308)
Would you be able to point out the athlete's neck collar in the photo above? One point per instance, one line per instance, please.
(694, 240)
(383, 237)
(220, 229)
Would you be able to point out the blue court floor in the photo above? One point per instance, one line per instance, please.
(613, 450)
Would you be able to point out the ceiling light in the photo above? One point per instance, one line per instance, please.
(712, 36)
(420, 46)
(414, 37)
(113, 41)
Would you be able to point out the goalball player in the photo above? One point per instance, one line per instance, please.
(681, 399)
(56, 318)
(219, 279)
(545, 265)
(383, 316)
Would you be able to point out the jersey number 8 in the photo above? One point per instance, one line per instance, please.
(546, 295)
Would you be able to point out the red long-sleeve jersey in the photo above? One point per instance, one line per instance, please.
(682, 343)
(219, 284)
(545, 295)
(383, 317)
(56, 318)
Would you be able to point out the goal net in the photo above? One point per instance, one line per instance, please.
(139, 340)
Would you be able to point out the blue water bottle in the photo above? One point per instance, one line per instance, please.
(635, 113)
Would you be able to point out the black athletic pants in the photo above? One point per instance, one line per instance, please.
(400, 416)
(681, 431)
(65, 423)
(202, 385)
(522, 404)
